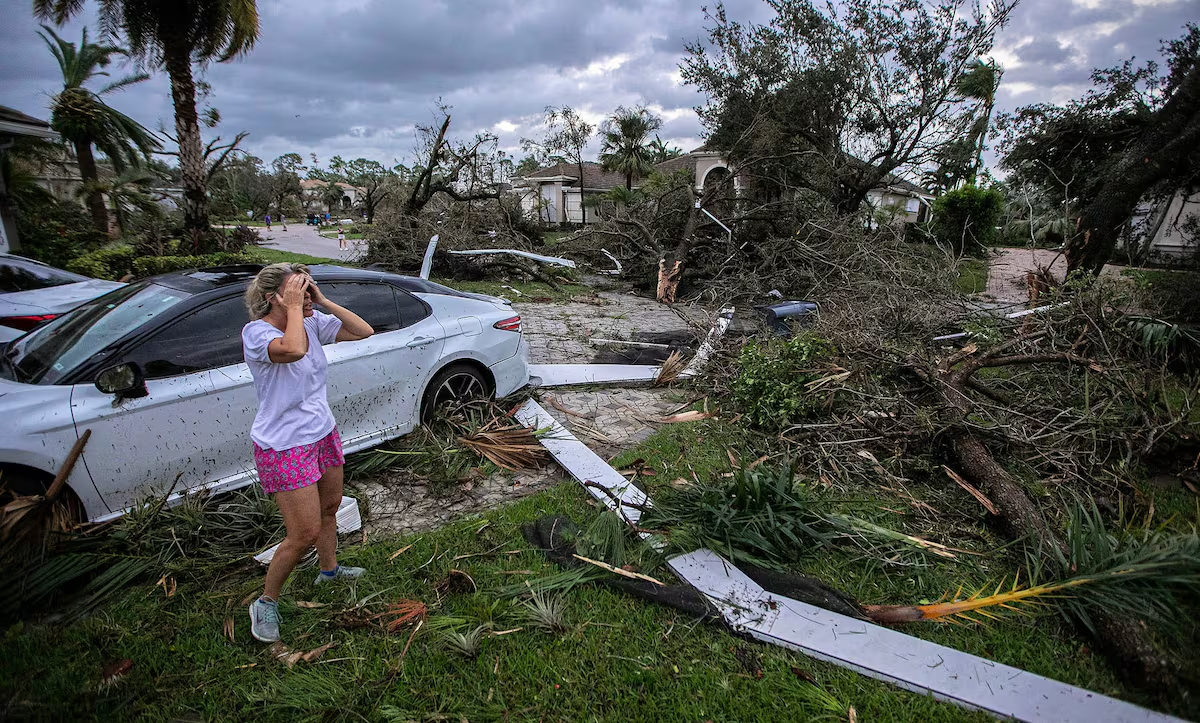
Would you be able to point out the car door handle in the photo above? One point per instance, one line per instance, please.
(420, 341)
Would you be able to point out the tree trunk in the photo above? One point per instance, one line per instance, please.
(89, 174)
(191, 147)
(582, 210)
(1127, 642)
(670, 268)
(1163, 148)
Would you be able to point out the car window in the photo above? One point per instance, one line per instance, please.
(411, 308)
(207, 338)
(22, 275)
(57, 348)
(375, 303)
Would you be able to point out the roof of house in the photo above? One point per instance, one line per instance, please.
(594, 176)
(14, 122)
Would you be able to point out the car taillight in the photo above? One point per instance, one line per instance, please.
(512, 323)
(25, 323)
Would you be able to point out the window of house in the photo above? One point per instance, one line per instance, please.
(912, 205)
(204, 339)
(375, 303)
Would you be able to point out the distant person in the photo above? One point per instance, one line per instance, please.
(283, 222)
(267, 218)
(342, 239)
(326, 218)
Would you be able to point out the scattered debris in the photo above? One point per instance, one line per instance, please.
(506, 444)
(971, 489)
(114, 670)
(560, 375)
(611, 272)
(671, 368)
(349, 519)
(619, 342)
(552, 260)
(719, 327)
(427, 262)
(616, 570)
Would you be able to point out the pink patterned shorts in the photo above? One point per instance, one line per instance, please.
(297, 467)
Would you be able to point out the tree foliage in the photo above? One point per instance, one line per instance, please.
(625, 146)
(834, 98)
(1135, 135)
(173, 36)
(566, 135)
(84, 119)
(376, 180)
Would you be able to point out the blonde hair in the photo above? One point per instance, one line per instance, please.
(266, 284)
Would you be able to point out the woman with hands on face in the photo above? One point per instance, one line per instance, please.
(297, 450)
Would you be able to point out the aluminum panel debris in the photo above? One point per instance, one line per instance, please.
(911, 663)
(553, 260)
(427, 262)
(585, 465)
(349, 519)
(558, 375)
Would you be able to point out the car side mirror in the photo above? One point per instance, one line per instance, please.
(124, 380)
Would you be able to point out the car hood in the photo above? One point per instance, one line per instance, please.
(56, 299)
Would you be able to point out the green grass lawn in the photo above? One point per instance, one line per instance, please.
(619, 658)
(274, 256)
(972, 276)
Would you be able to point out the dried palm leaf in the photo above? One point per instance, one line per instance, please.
(670, 370)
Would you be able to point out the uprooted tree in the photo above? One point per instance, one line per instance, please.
(1133, 137)
(836, 99)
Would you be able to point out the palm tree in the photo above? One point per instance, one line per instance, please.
(624, 142)
(660, 151)
(979, 82)
(127, 191)
(173, 35)
(84, 120)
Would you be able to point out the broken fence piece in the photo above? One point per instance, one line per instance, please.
(554, 260)
(910, 663)
(585, 465)
(558, 375)
(719, 327)
(427, 262)
(349, 519)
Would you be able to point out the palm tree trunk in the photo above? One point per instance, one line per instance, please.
(187, 130)
(90, 176)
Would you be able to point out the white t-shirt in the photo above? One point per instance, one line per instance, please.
(293, 405)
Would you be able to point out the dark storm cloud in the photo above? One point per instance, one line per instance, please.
(352, 77)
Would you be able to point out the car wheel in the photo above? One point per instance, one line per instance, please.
(454, 385)
(16, 481)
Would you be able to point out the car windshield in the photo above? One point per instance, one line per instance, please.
(56, 348)
(18, 274)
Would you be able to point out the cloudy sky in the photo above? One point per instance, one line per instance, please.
(352, 77)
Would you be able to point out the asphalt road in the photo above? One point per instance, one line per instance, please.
(301, 239)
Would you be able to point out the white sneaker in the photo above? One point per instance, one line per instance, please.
(343, 572)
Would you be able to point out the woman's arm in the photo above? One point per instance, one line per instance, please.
(293, 345)
(353, 326)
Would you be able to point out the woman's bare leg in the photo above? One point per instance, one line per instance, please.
(301, 510)
(330, 490)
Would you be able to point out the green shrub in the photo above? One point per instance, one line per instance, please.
(52, 231)
(111, 262)
(966, 219)
(770, 387)
(152, 265)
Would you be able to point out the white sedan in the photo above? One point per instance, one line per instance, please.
(32, 292)
(155, 371)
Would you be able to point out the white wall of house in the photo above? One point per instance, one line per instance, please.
(1171, 239)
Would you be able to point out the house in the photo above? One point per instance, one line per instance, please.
(313, 194)
(15, 125)
(1175, 230)
(553, 193)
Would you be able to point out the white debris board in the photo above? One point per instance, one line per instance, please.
(911, 663)
(584, 464)
(559, 375)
